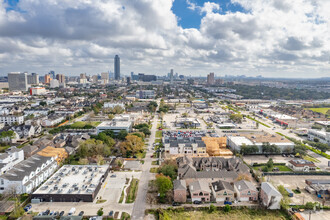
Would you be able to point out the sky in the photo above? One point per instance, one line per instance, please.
(272, 38)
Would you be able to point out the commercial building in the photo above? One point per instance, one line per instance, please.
(321, 135)
(28, 174)
(60, 78)
(37, 90)
(105, 78)
(147, 78)
(187, 122)
(73, 183)
(145, 94)
(33, 79)
(54, 83)
(47, 79)
(210, 79)
(113, 104)
(17, 81)
(301, 165)
(259, 139)
(115, 126)
(117, 67)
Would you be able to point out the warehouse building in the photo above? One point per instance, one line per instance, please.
(72, 183)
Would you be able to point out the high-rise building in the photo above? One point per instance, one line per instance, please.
(33, 79)
(95, 79)
(171, 75)
(210, 79)
(105, 77)
(60, 78)
(83, 76)
(47, 79)
(128, 80)
(52, 74)
(117, 67)
(54, 83)
(17, 81)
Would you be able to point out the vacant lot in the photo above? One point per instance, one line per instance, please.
(245, 214)
(280, 167)
(320, 110)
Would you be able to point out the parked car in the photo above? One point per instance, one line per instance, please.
(56, 213)
(72, 211)
(111, 213)
(228, 203)
(47, 212)
(61, 213)
(176, 204)
(113, 176)
(51, 213)
(81, 213)
(27, 208)
(197, 202)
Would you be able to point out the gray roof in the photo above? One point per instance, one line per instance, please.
(221, 185)
(199, 185)
(269, 189)
(244, 185)
(179, 185)
(24, 168)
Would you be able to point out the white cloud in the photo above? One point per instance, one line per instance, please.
(272, 37)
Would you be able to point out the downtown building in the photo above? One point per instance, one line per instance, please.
(117, 67)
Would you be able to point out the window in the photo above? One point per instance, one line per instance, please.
(249, 193)
(225, 193)
(2, 182)
(195, 194)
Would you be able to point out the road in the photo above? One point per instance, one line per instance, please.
(140, 202)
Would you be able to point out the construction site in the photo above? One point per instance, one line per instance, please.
(217, 146)
(72, 183)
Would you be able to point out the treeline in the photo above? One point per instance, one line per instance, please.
(266, 92)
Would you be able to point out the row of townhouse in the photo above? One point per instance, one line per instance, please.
(27, 175)
(10, 158)
(11, 119)
(217, 191)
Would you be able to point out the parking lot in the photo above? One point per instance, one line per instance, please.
(294, 181)
(110, 192)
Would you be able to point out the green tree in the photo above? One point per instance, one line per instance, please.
(169, 170)
(164, 184)
(227, 208)
(100, 212)
(145, 130)
(122, 134)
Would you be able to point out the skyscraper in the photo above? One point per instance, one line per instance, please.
(210, 79)
(17, 81)
(52, 74)
(33, 79)
(117, 67)
(60, 78)
(47, 79)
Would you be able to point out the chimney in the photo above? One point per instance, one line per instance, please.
(239, 187)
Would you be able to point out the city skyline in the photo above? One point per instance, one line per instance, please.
(268, 38)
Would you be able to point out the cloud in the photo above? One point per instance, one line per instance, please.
(84, 35)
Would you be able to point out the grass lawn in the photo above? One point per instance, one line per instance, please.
(280, 167)
(122, 196)
(141, 155)
(158, 140)
(320, 110)
(244, 214)
(3, 148)
(81, 124)
(154, 170)
(100, 201)
(154, 162)
(132, 191)
(159, 134)
(310, 158)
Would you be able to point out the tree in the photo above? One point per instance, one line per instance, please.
(270, 164)
(145, 130)
(42, 103)
(100, 160)
(83, 161)
(164, 184)
(169, 170)
(122, 134)
(132, 145)
(100, 212)
(237, 118)
(152, 106)
(111, 116)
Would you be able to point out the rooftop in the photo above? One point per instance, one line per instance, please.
(74, 179)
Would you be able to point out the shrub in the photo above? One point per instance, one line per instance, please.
(212, 208)
(100, 212)
(227, 208)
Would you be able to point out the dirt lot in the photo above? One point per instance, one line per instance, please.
(292, 182)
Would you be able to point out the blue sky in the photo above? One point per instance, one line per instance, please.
(192, 19)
